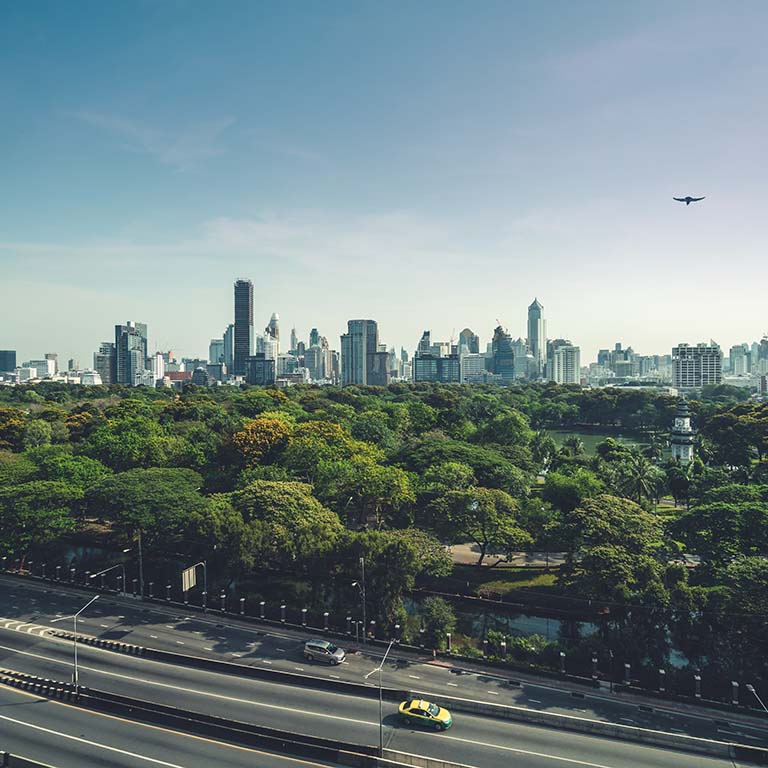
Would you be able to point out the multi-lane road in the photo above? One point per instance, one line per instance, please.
(474, 740)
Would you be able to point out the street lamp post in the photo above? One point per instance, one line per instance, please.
(112, 568)
(381, 700)
(751, 689)
(361, 586)
(75, 675)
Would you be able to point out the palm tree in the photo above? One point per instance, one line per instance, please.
(574, 444)
(639, 477)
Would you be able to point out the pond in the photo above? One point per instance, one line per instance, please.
(591, 439)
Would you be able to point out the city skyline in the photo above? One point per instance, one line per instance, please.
(541, 160)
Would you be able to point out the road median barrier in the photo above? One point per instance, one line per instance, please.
(243, 670)
(596, 727)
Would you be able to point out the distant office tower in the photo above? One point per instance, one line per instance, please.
(682, 439)
(7, 360)
(740, 359)
(361, 360)
(537, 335)
(425, 344)
(695, 367)
(566, 364)
(229, 347)
(473, 368)
(314, 337)
(104, 362)
(243, 331)
(294, 341)
(158, 366)
(45, 368)
(52, 356)
(314, 362)
(273, 328)
(216, 351)
(73, 364)
(260, 370)
(130, 352)
(503, 355)
(469, 340)
(443, 368)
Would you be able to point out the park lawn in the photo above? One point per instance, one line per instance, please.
(496, 581)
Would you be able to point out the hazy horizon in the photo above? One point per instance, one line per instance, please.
(432, 166)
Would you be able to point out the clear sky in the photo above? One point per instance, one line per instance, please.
(426, 164)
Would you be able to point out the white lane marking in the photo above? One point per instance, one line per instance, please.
(89, 743)
(154, 637)
(493, 693)
(238, 655)
(453, 685)
(207, 649)
(179, 642)
(299, 669)
(570, 760)
(145, 681)
(534, 701)
(265, 661)
(282, 650)
(104, 625)
(168, 626)
(335, 676)
(414, 677)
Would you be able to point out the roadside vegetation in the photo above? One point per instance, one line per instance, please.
(283, 492)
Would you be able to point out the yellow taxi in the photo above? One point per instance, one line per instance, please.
(420, 712)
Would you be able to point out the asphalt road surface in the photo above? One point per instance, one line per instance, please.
(67, 737)
(28, 605)
(474, 740)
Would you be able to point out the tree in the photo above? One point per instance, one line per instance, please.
(638, 478)
(37, 432)
(566, 492)
(365, 491)
(437, 618)
(35, 513)
(11, 428)
(262, 440)
(57, 463)
(485, 516)
(289, 524)
(615, 550)
(157, 501)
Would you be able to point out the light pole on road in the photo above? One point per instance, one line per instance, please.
(751, 689)
(381, 699)
(112, 568)
(75, 675)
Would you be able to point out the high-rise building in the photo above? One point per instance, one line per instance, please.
(73, 364)
(740, 358)
(314, 337)
(243, 330)
(7, 360)
(229, 347)
(260, 370)
(130, 352)
(503, 356)
(473, 368)
(443, 368)
(104, 362)
(469, 340)
(695, 367)
(566, 364)
(294, 341)
(361, 361)
(273, 329)
(537, 335)
(216, 351)
(52, 356)
(45, 368)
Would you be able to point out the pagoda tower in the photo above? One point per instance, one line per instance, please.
(683, 437)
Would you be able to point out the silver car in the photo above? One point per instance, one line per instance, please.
(322, 650)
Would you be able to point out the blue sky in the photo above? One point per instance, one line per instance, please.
(430, 165)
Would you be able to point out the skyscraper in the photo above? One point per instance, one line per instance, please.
(470, 340)
(695, 367)
(294, 341)
(566, 364)
(314, 337)
(130, 352)
(243, 340)
(216, 351)
(503, 355)
(273, 329)
(104, 362)
(7, 360)
(537, 335)
(361, 361)
(229, 347)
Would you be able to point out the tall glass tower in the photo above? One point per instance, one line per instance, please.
(537, 335)
(243, 341)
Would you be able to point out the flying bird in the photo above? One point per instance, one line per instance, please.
(688, 200)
